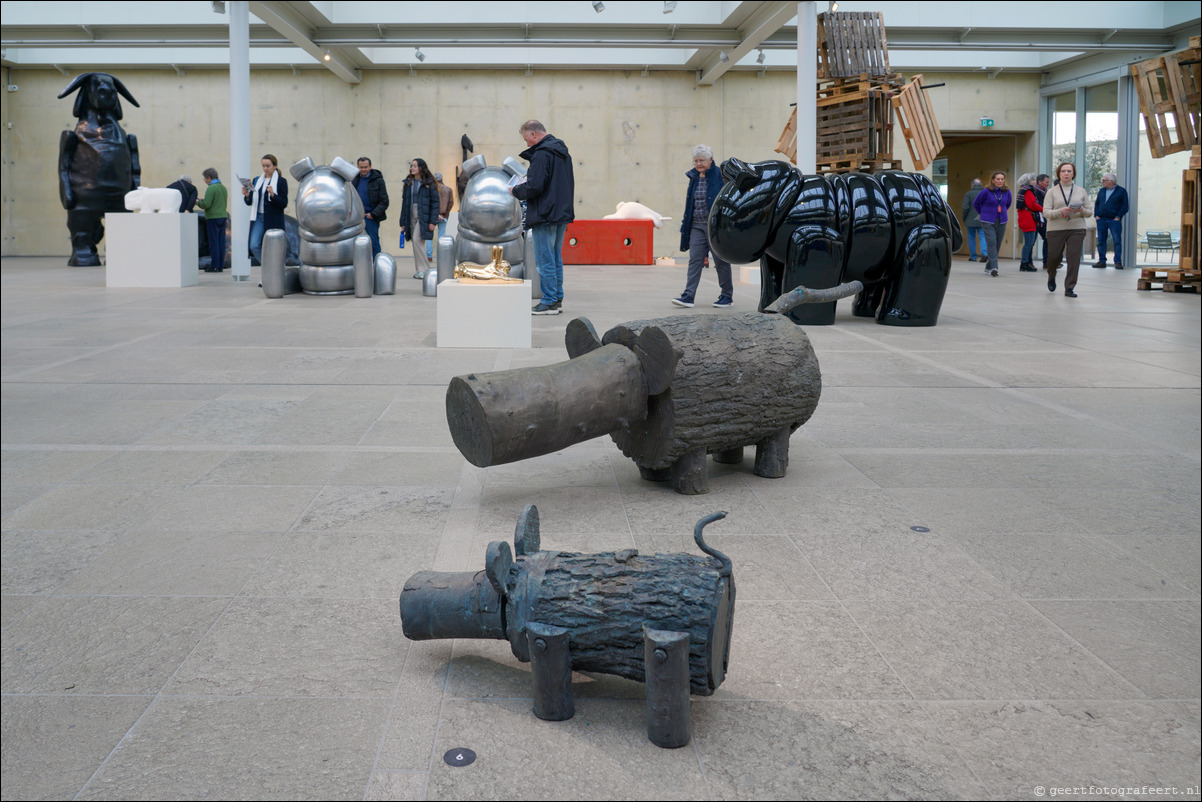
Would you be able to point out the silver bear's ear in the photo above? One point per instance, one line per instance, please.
(344, 168)
(302, 168)
(514, 167)
(474, 165)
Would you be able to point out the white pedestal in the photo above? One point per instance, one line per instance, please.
(150, 250)
(483, 315)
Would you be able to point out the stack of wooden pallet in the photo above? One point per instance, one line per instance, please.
(856, 85)
(858, 100)
(1169, 89)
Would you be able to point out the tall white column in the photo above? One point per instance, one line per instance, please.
(807, 86)
(239, 11)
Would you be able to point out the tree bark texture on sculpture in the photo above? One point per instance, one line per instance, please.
(97, 162)
(892, 231)
(668, 391)
(606, 612)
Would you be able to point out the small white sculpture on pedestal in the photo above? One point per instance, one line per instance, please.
(153, 199)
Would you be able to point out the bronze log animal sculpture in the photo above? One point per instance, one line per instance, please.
(668, 391)
(97, 162)
(663, 619)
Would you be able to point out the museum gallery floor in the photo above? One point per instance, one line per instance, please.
(978, 579)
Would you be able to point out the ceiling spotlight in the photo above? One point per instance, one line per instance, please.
(326, 56)
(418, 54)
(219, 6)
(760, 58)
(723, 57)
(598, 6)
(669, 6)
(832, 6)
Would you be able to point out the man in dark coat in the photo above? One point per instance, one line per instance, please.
(374, 194)
(1110, 208)
(187, 191)
(549, 190)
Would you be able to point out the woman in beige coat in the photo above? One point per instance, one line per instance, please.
(1066, 207)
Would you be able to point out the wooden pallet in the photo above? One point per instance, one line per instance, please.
(1170, 93)
(858, 166)
(1191, 203)
(919, 127)
(858, 126)
(851, 43)
(787, 144)
(1172, 280)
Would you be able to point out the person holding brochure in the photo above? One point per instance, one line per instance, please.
(1066, 207)
(267, 198)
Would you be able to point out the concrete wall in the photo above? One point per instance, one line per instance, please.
(631, 136)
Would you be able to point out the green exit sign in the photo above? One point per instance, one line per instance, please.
(986, 122)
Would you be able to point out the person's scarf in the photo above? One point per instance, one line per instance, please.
(258, 192)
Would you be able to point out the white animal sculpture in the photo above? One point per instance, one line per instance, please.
(630, 210)
(153, 199)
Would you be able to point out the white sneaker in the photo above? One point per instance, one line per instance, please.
(682, 302)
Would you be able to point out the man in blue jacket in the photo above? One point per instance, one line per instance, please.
(705, 181)
(548, 191)
(1110, 208)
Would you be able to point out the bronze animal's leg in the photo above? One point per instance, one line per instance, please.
(666, 662)
(772, 455)
(690, 473)
(731, 456)
(551, 666)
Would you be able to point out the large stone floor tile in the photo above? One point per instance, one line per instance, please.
(833, 511)
(156, 563)
(829, 750)
(12, 608)
(192, 748)
(804, 650)
(216, 508)
(897, 468)
(560, 509)
(152, 467)
(1118, 511)
(1175, 556)
(297, 647)
(343, 564)
(1032, 750)
(897, 564)
(412, 468)
(79, 507)
(1051, 566)
(377, 509)
(52, 745)
(413, 718)
(38, 561)
(984, 650)
(288, 466)
(654, 508)
(103, 645)
(47, 466)
(988, 511)
(1154, 645)
(398, 785)
(600, 753)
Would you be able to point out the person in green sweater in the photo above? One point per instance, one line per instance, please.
(216, 208)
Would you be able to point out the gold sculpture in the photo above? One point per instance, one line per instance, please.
(496, 270)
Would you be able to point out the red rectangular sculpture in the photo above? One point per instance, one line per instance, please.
(609, 242)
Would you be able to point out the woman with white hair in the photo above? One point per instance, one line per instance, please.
(705, 181)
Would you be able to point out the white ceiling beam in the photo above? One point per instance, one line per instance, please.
(766, 21)
(297, 30)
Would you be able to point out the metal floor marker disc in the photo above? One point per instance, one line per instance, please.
(459, 757)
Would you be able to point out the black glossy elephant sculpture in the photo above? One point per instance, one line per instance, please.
(97, 162)
(892, 231)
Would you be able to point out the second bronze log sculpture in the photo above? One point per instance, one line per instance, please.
(663, 619)
(668, 391)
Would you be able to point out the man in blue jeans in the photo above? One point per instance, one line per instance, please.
(548, 191)
(1110, 208)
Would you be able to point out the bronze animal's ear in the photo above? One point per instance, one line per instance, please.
(76, 82)
(124, 92)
